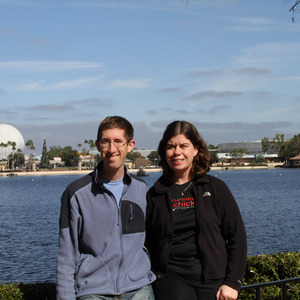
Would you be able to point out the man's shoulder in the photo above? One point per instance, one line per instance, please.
(80, 183)
(138, 179)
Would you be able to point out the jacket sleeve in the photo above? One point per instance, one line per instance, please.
(148, 241)
(68, 253)
(234, 233)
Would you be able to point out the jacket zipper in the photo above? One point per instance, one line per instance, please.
(121, 246)
(122, 252)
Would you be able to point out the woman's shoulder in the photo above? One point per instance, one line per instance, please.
(160, 186)
(213, 181)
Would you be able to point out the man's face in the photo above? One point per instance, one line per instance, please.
(114, 147)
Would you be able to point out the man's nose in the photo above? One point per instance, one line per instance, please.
(112, 147)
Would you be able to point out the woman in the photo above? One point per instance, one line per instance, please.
(194, 230)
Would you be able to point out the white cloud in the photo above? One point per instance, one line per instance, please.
(48, 66)
(210, 95)
(71, 84)
(130, 84)
(268, 54)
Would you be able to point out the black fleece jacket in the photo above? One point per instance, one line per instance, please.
(222, 235)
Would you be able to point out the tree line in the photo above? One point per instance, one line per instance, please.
(70, 157)
(284, 148)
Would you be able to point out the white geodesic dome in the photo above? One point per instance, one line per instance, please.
(12, 134)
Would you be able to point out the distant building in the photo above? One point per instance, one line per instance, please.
(253, 151)
(294, 162)
(9, 133)
(56, 162)
(250, 147)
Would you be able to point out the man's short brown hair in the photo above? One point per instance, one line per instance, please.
(116, 122)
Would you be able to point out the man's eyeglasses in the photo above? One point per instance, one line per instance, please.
(107, 143)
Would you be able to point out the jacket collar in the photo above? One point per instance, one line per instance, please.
(97, 171)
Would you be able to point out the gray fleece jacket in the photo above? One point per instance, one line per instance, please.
(101, 246)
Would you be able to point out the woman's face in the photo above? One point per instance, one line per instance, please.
(180, 153)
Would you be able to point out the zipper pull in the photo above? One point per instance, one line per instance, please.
(131, 212)
(119, 213)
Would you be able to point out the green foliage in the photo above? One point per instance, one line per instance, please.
(67, 154)
(54, 151)
(272, 267)
(260, 159)
(133, 155)
(31, 291)
(153, 157)
(294, 145)
(214, 156)
(259, 269)
(10, 292)
(237, 154)
(30, 145)
(45, 162)
(91, 143)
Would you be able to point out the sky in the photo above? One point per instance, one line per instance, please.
(232, 68)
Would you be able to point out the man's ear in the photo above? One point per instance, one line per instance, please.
(131, 145)
(97, 145)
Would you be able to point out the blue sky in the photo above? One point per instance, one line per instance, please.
(232, 68)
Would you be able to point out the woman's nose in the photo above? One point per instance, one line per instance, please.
(177, 150)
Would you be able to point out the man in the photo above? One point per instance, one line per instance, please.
(102, 226)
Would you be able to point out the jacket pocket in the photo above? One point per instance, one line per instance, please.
(133, 218)
(141, 266)
(91, 272)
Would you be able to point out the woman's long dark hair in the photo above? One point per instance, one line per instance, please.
(202, 161)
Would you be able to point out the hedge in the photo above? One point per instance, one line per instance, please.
(272, 267)
(259, 269)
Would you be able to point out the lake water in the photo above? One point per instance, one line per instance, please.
(269, 201)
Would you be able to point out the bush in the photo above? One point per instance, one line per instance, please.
(10, 292)
(272, 267)
(259, 269)
(31, 291)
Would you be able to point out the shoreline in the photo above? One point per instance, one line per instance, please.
(134, 171)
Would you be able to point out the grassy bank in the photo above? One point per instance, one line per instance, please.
(259, 269)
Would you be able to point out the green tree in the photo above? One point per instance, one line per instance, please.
(30, 145)
(91, 143)
(133, 155)
(237, 154)
(294, 145)
(13, 145)
(69, 157)
(260, 159)
(278, 142)
(213, 150)
(45, 162)
(265, 144)
(3, 145)
(153, 157)
(54, 151)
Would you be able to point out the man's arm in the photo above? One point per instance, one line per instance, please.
(67, 251)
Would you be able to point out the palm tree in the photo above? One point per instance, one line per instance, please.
(92, 146)
(3, 145)
(29, 144)
(11, 155)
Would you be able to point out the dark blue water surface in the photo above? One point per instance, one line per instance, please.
(269, 201)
